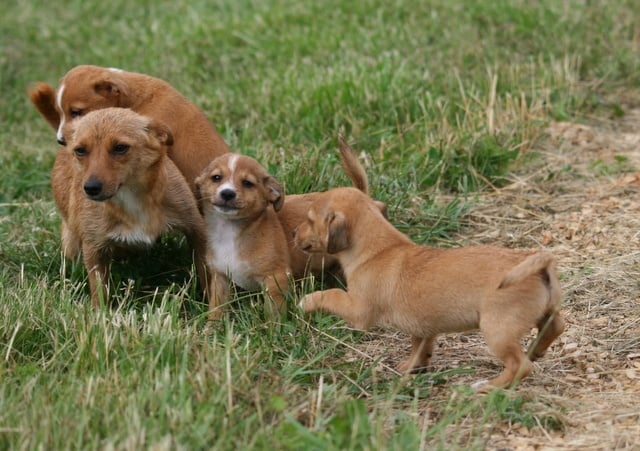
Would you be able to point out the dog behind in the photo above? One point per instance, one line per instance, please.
(87, 88)
(117, 190)
(249, 227)
(424, 291)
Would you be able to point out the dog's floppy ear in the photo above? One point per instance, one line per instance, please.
(275, 193)
(115, 89)
(43, 98)
(382, 207)
(161, 132)
(337, 232)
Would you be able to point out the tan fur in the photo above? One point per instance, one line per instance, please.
(260, 220)
(424, 291)
(247, 241)
(116, 190)
(88, 88)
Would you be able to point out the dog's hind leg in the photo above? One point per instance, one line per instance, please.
(421, 350)
(504, 342)
(549, 328)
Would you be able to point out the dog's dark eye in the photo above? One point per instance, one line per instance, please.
(216, 178)
(80, 151)
(76, 113)
(120, 149)
(248, 184)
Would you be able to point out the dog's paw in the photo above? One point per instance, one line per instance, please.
(482, 386)
(306, 304)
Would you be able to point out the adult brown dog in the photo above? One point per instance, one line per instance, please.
(87, 88)
(424, 291)
(249, 225)
(117, 190)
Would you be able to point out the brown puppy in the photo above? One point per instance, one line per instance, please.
(116, 189)
(247, 242)
(425, 291)
(87, 88)
(249, 227)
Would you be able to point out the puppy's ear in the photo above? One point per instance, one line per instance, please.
(43, 98)
(338, 233)
(161, 132)
(275, 193)
(382, 207)
(115, 89)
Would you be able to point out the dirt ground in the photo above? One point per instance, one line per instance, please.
(581, 200)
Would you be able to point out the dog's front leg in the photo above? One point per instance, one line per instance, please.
(276, 288)
(339, 302)
(97, 264)
(218, 294)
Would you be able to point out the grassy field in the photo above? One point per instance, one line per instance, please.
(441, 97)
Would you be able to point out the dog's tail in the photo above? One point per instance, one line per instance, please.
(352, 166)
(534, 263)
(43, 98)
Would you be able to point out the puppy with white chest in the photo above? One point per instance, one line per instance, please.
(88, 88)
(117, 190)
(240, 200)
(425, 291)
(250, 227)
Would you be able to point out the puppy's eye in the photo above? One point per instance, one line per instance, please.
(248, 184)
(216, 178)
(120, 149)
(76, 113)
(80, 151)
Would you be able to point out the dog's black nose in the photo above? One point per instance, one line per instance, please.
(62, 141)
(227, 194)
(92, 187)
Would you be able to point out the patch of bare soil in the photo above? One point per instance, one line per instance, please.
(581, 200)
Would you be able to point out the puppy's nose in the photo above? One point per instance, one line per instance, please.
(92, 187)
(227, 194)
(62, 141)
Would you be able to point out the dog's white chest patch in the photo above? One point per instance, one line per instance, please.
(138, 230)
(225, 257)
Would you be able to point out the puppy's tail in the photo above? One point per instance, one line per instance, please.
(43, 98)
(541, 262)
(352, 166)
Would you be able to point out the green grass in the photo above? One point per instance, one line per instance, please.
(441, 96)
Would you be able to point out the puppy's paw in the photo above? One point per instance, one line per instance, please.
(482, 386)
(307, 303)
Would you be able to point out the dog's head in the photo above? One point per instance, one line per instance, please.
(81, 90)
(115, 148)
(238, 187)
(327, 226)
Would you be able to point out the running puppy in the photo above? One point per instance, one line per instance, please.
(117, 190)
(87, 88)
(425, 291)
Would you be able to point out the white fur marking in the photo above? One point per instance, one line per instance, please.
(225, 253)
(479, 385)
(232, 168)
(115, 69)
(62, 118)
(232, 163)
(134, 233)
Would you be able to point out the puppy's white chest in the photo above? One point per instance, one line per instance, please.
(225, 254)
